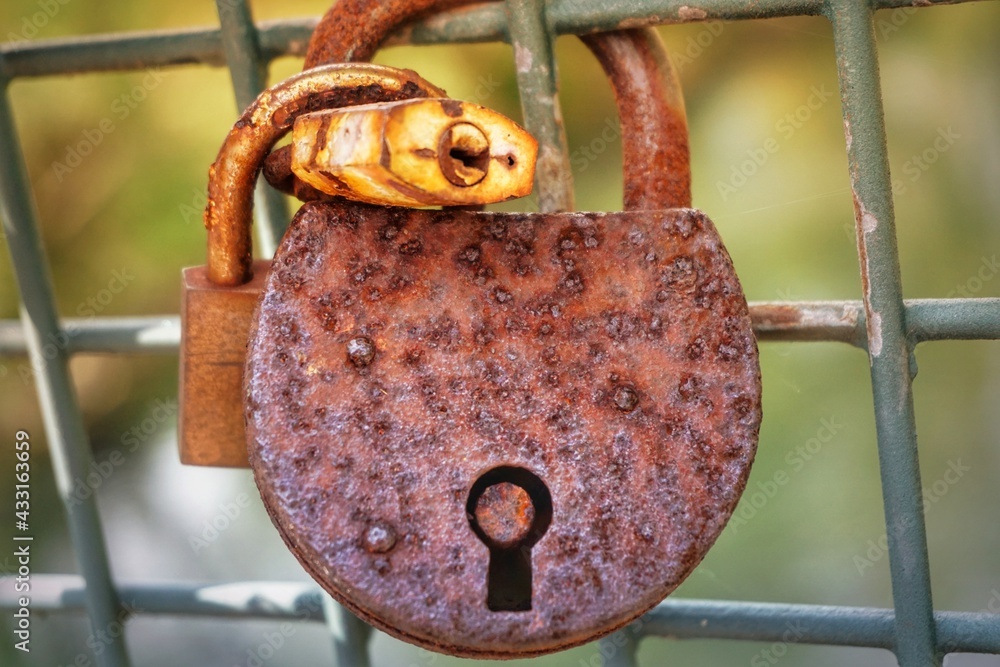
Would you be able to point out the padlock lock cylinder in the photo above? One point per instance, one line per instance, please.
(421, 152)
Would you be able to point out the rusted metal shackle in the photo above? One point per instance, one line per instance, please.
(656, 156)
(228, 215)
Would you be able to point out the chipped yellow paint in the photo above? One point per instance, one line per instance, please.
(420, 152)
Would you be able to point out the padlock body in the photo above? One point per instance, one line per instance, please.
(398, 356)
(215, 323)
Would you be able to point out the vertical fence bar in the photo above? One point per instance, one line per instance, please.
(621, 649)
(249, 74)
(350, 634)
(888, 348)
(46, 340)
(536, 81)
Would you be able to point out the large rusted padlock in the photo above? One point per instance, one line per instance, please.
(500, 435)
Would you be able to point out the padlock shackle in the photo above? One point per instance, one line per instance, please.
(656, 158)
(231, 178)
(655, 151)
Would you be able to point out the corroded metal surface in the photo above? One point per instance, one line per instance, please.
(399, 355)
(404, 359)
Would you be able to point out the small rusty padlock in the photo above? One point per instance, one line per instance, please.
(499, 435)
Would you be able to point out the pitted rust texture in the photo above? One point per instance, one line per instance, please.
(609, 354)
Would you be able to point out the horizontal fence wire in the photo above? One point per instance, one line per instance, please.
(882, 324)
(674, 618)
(773, 321)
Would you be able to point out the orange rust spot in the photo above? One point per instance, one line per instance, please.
(505, 513)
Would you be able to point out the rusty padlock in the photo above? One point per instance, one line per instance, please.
(502, 435)
(219, 298)
(499, 435)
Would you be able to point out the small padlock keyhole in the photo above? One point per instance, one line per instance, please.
(464, 154)
(509, 509)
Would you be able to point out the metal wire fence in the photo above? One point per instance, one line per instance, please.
(883, 324)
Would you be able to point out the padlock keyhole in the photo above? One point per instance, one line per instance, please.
(470, 158)
(464, 154)
(509, 509)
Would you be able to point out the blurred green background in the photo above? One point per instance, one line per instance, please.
(132, 206)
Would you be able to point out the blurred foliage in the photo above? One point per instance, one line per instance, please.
(786, 216)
